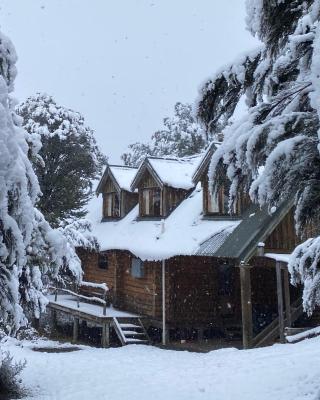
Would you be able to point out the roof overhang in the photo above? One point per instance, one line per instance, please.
(204, 164)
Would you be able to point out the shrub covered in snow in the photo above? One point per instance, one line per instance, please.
(10, 385)
(273, 150)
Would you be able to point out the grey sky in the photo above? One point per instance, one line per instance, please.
(123, 64)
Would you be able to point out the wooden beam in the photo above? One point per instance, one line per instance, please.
(164, 333)
(75, 330)
(287, 297)
(105, 336)
(246, 306)
(280, 301)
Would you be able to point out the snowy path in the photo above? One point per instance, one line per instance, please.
(281, 372)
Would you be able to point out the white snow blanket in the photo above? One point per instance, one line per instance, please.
(179, 234)
(280, 372)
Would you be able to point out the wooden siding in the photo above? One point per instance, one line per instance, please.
(128, 201)
(170, 197)
(243, 201)
(109, 186)
(283, 239)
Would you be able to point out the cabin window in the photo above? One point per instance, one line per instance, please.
(103, 261)
(111, 205)
(137, 268)
(151, 202)
(219, 204)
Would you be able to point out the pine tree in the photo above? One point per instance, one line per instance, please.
(181, 137)
(67, 157)
(273, 151)
(30, 250)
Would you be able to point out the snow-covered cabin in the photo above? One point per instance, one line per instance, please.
(115, 187)
(208, 263)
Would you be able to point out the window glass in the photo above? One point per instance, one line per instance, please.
(103, 261)
(111, 205)
(151, 202)
(137, 268)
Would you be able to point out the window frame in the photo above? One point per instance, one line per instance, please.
(147, 206)
(109, 205)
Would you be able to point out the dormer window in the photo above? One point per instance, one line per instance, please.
(151, 202)
(111, 205)
(118, 200)
(218, 204)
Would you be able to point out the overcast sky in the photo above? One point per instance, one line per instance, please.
(124, 63)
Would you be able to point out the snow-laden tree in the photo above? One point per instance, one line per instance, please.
(66, 160)
(181, 137)
(273, 150)
(30, 250)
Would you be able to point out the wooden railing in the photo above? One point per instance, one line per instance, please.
(94, 299)
(271, 332)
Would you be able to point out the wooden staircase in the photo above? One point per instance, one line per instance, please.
(271, 332)
(130, 331)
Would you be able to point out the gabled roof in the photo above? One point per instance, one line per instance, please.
(256, 225)
(173, 172)
(120, 175)
(182, 233)
(205, 162)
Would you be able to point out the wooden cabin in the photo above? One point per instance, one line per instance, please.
(193, 269)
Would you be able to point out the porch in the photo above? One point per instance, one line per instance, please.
(128, 327)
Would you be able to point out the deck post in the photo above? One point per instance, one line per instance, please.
(287, 296)
(280, 301)
(105, 337)
(164, 332)
(75, 329)
(246, 305)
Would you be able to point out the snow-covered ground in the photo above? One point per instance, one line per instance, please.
(280, 372)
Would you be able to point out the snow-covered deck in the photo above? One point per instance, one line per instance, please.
(92, 312)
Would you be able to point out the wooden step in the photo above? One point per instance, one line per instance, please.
(130, 333)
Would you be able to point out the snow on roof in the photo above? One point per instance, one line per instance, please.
(123, 175)
(176, 173)
(278, 257)
(184, 230)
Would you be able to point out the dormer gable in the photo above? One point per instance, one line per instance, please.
(117, 197)
(217, 206)
(162, 183)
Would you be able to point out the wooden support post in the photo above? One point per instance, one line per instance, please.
(287, 296)
(105, 337)
(54, 322)
(200, 334)
(75, 329)
(246, 306)
(280, 301)
(164, 333)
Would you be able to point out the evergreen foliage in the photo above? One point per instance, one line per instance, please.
(30, 250)
(181, 137)
(273, 151)
(67, 158)
(9, 377)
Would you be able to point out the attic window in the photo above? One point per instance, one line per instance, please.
(151, 202)
(219, 205)
(103, 261)
(111, 205)
(137, 268)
